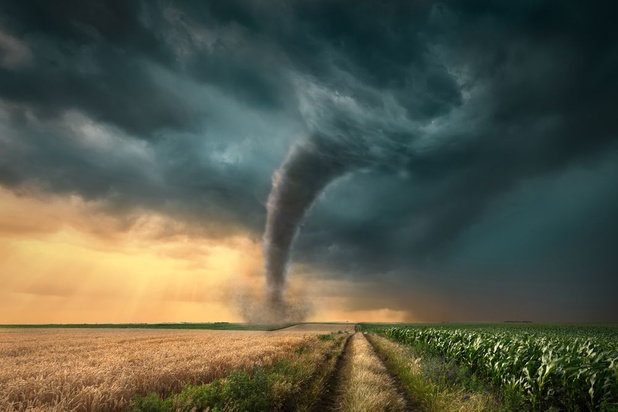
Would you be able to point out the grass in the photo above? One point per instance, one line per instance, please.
(366, 384)
(433, 384)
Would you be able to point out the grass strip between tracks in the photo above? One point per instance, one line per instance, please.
(366, 384)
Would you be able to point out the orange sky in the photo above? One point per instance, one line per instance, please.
(64, 260)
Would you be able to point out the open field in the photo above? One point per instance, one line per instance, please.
(182, 325)
(320, 327)
(103, 369)
(424, 368)
(538, 367)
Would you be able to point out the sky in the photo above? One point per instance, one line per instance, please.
(477, 143)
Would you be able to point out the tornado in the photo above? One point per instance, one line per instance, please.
(309, 167)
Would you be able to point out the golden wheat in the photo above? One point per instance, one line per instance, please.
(103, 369)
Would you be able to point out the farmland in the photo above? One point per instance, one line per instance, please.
(543, 367)
(104, 369)
(311, 367)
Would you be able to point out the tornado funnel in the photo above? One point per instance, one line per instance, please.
(307, 170)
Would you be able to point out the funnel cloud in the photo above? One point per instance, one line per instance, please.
(295, 186)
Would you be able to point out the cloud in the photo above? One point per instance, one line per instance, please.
(466, 126)
(15, 52)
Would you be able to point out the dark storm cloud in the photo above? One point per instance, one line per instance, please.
(449, 114)
(89, 55)
(541, 100)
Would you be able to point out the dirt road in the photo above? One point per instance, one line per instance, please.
(361, 382)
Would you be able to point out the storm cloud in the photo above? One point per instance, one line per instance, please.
(480, 138)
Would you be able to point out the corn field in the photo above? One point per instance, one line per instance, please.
(571, 369)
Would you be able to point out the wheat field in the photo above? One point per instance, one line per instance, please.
(104, 369)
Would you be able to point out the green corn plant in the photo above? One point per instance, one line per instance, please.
(568, 368)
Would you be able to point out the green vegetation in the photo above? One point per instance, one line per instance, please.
(326, 336)
(600, 331)
(262, 389)
(182, 325)
(364, 383)
(434, 384)
(557, 367)
(294, 383)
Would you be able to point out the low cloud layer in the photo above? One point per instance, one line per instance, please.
(482, 137)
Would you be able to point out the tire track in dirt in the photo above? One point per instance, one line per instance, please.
(398, 386)
(328, 400)
(362, 382)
